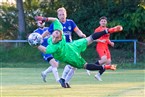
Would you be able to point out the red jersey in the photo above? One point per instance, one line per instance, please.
(104, 37)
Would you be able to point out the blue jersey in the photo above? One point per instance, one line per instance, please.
(45, 43)
(68, 28)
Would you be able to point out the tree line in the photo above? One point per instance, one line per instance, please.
(128, 13)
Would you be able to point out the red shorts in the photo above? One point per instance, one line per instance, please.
(103, 51)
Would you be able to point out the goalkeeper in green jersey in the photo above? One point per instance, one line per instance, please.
(70, 52)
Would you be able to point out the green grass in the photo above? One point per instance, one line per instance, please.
(26, 82)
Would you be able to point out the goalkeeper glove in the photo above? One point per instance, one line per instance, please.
(40, 18)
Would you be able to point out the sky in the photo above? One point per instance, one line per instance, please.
(10, 1)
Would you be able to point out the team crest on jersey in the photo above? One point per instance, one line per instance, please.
(64, 27)
(69, 27)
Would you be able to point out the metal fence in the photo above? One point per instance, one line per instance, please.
(132, 40)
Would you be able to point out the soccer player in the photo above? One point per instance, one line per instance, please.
(70, 52)
(102, 46)
(47, 57)
(69, 27)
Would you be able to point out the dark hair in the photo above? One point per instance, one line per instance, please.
(103, 17)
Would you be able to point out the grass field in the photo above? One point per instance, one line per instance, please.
(26, 82)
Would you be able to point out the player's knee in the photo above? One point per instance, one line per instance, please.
(108, 61)
(74, 68)
(68, 66)
(54, 63)
(89, 39)
(104, 59)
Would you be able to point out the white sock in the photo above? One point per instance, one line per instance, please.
(98, 74)
(88, 72)
(70, 75)
(48, 70)
(55, 73)
(66, 71)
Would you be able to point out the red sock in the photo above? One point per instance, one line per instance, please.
(107, 66)
(115, 29)
(111, 30)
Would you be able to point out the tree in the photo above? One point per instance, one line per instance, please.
(21, 19)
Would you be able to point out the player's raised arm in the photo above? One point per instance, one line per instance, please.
(46, 19)
(46, 33)
(79, 32)
(57, 24)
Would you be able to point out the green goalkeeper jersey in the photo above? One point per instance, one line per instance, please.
(67, 52)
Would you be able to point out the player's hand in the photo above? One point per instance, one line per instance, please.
(103, 41)
(112, 44)
(83, 35)
(40, 18)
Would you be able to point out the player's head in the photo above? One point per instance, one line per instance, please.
(61, 14)
(40, 24)
(103, 21)
(56, 36)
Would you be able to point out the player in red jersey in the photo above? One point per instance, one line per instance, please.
(102, 47)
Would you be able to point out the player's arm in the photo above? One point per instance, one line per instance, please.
(46, 19)
(42, 48)
(110, 43)
(48, 50)
(46, 33)
(57, 24)
(79, 32)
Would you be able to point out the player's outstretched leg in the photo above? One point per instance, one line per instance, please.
(94, 67)
(117, 28)
(110, 67)
(97, 35)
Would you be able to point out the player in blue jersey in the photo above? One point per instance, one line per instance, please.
(69, 27)
(47, 57)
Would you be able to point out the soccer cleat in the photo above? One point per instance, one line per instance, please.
(67, 85)
(62, 82)
(113, 67)
(115, 29)
(97, 76)
(43, 76)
